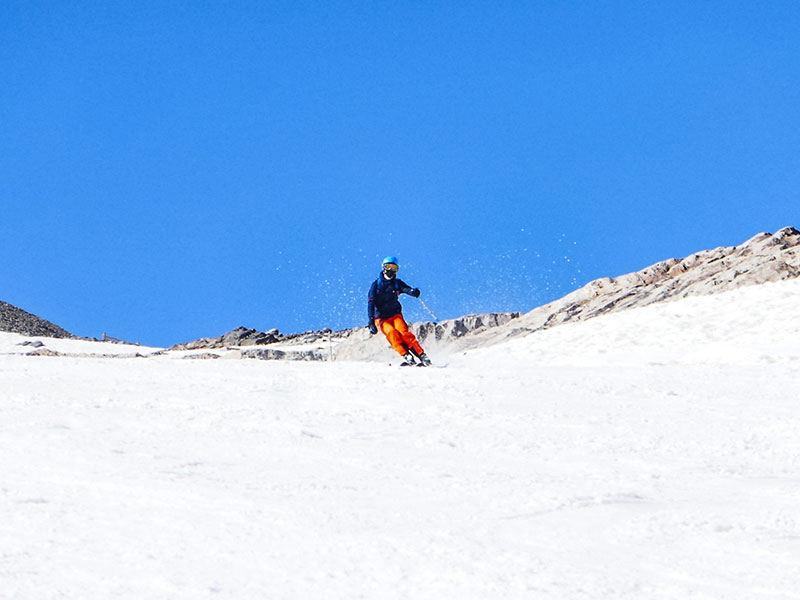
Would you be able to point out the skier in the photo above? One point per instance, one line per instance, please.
(385, 313)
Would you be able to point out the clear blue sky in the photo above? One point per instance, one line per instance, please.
(171, 170)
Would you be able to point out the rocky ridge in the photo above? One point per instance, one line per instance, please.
(437, 338)
(244, 339)
(347, 344)
(16, 320)
(761, 259)
(241, 336)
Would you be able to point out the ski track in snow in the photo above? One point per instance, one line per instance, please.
(649, 454)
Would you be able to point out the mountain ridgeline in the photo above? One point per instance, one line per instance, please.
(761, 259)
(16, 320)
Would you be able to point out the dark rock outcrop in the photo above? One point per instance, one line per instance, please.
(241, 336)
(16, 320)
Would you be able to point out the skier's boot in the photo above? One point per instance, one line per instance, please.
(423, 359)
(408, 360)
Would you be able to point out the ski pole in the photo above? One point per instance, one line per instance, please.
(435, 318)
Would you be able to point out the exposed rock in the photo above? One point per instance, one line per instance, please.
(435, 337)
(241, 336)
(457, 328)
(347, 344)
(43, 352)
(16, 320)
(33, 344)
(274, 354)
(761, 259)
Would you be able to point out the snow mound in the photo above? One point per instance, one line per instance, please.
(750, 325)
(15, 343)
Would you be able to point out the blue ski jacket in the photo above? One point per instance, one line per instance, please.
(382, 302)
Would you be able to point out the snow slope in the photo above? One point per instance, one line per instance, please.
(653, 453)
(748, 326)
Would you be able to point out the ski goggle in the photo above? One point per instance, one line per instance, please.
(390, 267)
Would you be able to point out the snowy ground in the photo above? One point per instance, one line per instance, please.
(653, 453)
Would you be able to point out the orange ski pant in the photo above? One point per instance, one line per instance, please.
(396, 331)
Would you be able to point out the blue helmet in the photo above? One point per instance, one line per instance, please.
(390, 267)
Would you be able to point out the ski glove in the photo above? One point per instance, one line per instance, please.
(373, 329)
(414, 292)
